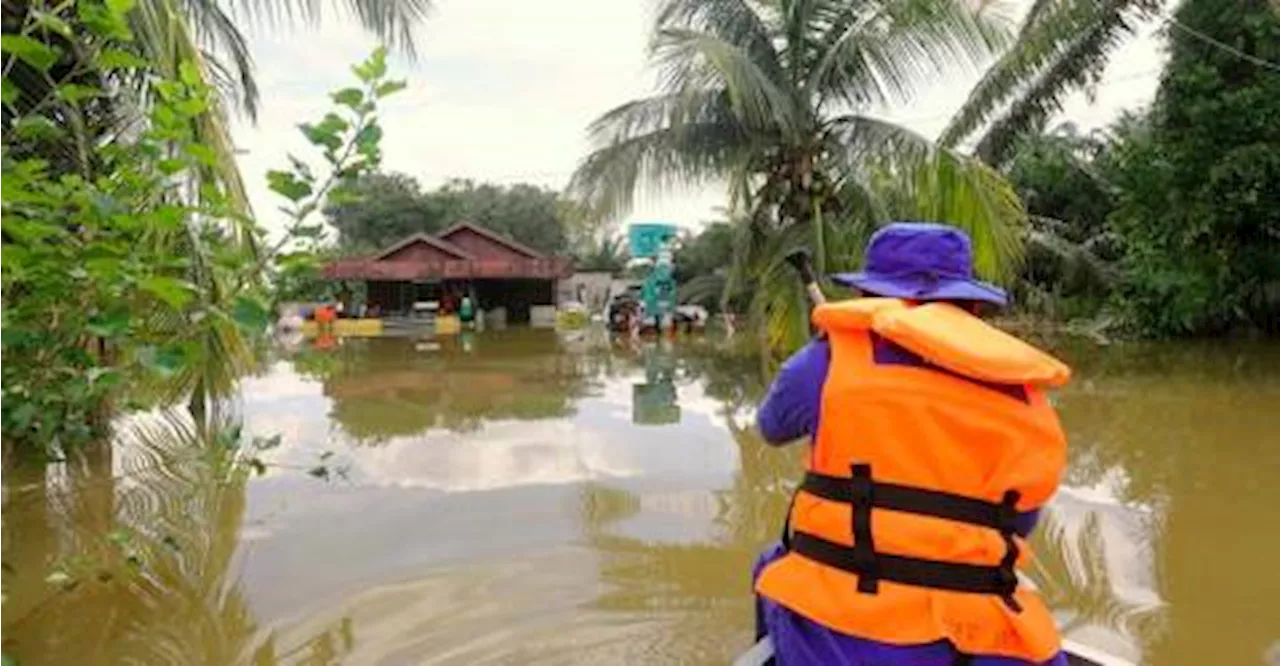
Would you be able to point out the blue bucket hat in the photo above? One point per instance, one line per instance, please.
(924, 262)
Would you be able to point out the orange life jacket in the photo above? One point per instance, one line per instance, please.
(903, 530)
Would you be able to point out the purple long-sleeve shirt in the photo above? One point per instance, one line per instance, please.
(790, 411)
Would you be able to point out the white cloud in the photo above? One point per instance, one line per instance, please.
(503, 90)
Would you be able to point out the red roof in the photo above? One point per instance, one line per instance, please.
(433, 241)
(422, 257)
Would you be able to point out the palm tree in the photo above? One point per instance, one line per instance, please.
(1062, 46)
(772, 97)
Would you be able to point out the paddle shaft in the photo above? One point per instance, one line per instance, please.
(799, 259)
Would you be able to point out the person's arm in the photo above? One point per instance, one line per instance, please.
(790, 409)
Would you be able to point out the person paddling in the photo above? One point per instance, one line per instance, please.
(934, 448)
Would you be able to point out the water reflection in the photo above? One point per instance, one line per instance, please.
(512, 498)
(127, 558)
(383, 388)
(1183, 439)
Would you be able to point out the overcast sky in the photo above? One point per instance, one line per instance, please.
(502, 90)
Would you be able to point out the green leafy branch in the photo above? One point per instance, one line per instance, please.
(349, 138)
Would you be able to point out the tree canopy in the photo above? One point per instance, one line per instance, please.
(1198, 180)
(386, 207)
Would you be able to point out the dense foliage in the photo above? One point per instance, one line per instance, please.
(1166, 223)
(1198, 181)
(123, 266)
(1061, 47)
(390, 207)
(1064, 180)
(702, 264)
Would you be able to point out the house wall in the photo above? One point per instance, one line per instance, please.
(589, 288)
(482, 247)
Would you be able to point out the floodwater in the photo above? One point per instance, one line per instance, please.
(527, 497)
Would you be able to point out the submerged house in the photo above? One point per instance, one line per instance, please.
(498, 272)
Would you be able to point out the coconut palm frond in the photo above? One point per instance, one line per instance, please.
(886, 56)
(392, 21)
(655, 162)
(691, 61)
(1063, 45)
(916, 180)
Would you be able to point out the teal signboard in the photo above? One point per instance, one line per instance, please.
(646, 239)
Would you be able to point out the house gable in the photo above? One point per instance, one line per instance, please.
(421, 248)
(487, 245)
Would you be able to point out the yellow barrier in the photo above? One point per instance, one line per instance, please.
(348, 328)
(448, 325)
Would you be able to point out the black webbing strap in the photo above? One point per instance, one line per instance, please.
(911, 500)
(862, 497)
(1008, 525)
(863, 494)
(905, 570)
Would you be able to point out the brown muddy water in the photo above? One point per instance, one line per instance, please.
(528, 497)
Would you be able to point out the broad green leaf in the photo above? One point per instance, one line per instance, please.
(322, 135)
(110, 325)
(351, 97)
(191, 108)
(16, 261)
(36, 128)
(120, 59)
(76, 93)
(176, 293)
(202, 153)
(343, 195)
(171, 165)
(288, 185)
(119, 8)
(39, 55)
(165, 361)
(368, 138)
(169, 216)
(120, 537)
(30, 231)
(250, 313)
(52, 22)
(101, 20)
(374, 67)
(378, 62)
(298, 261)
(8, 91)
(22, 416)
(189, 74)
(104, 377)
(390, 88)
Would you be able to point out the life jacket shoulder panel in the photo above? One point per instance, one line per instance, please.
(854, 314)
(949, 337)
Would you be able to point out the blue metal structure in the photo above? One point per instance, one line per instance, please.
(654, 241)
